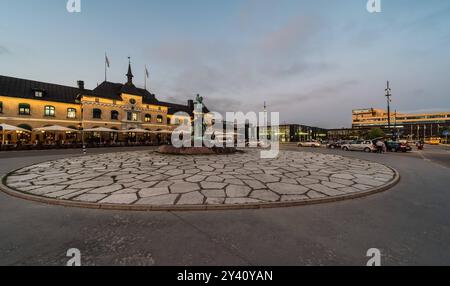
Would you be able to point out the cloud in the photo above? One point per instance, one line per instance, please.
(291, 38)
(317, 94)
(300, 68)
(4, 50)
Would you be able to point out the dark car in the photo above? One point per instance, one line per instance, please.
(393, 146)
(335, 145)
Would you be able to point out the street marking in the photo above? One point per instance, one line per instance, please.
(423, 157)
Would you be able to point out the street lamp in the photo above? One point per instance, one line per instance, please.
(388, 96)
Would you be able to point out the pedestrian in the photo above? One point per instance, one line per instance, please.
(380, 146)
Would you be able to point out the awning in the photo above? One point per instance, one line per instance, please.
(165, 132)
(100, 129)
(137, 130)
(6, 127)
(55, 128)
(173, 131)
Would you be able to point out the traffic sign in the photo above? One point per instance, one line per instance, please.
(446, 133)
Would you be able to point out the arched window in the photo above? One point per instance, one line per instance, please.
(159, 119)
(148, 118)
(49, 111)
(1, 107)
(71, 113)
(24, 109)
(114, 115)
(97, 113)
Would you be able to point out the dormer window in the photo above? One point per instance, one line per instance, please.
(38, 93)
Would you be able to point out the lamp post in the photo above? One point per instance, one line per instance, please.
(388, 97)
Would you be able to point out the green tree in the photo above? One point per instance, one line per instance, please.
(375, 133)
(444, 129)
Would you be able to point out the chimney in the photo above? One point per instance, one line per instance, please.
(81, 84)
(190, 104)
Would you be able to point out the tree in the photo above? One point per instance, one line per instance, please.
(375, 133)
(444, 129)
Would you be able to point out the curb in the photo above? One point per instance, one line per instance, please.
(147, 208)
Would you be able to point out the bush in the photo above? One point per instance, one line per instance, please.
(375, 133)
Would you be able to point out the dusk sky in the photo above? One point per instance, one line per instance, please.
(312, 61)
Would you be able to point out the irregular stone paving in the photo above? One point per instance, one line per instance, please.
(150, 178)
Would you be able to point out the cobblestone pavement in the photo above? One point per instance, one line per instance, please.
(148, 178)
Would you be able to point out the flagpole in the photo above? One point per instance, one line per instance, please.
(145, 77)
(105, 66)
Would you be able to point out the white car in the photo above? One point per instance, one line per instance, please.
(366, 146)
(258, 144)
(309, 144)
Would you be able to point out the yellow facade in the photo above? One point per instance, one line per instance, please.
(379, 117)
(76, 116)
(37, 118)
(144, 116)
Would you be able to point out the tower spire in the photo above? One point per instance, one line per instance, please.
(130, 73)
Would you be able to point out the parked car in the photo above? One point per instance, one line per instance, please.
(335, 145)
(394, 146)
(257, 143)
(314, 144)
(366, 146)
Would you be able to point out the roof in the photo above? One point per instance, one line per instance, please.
(112, 90)
(23, 88)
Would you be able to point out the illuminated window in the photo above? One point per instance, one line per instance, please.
(49, 111)
(39, 93)
(71, 113)
(132, 116)
(114, 115)
(24, 109)
(97, 113)
(148, 118)
(159, 119)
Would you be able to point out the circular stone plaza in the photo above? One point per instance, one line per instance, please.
(148, 180)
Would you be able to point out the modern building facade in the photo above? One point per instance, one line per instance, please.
(298, 133)
(30, 104)
(414, 126)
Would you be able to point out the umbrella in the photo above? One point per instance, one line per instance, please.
(172, 131)
(164, 132)
(6, 127)
(55, 128)
(137, 130)
(100, 129)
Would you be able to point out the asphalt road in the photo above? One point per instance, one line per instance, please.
(410, 224)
